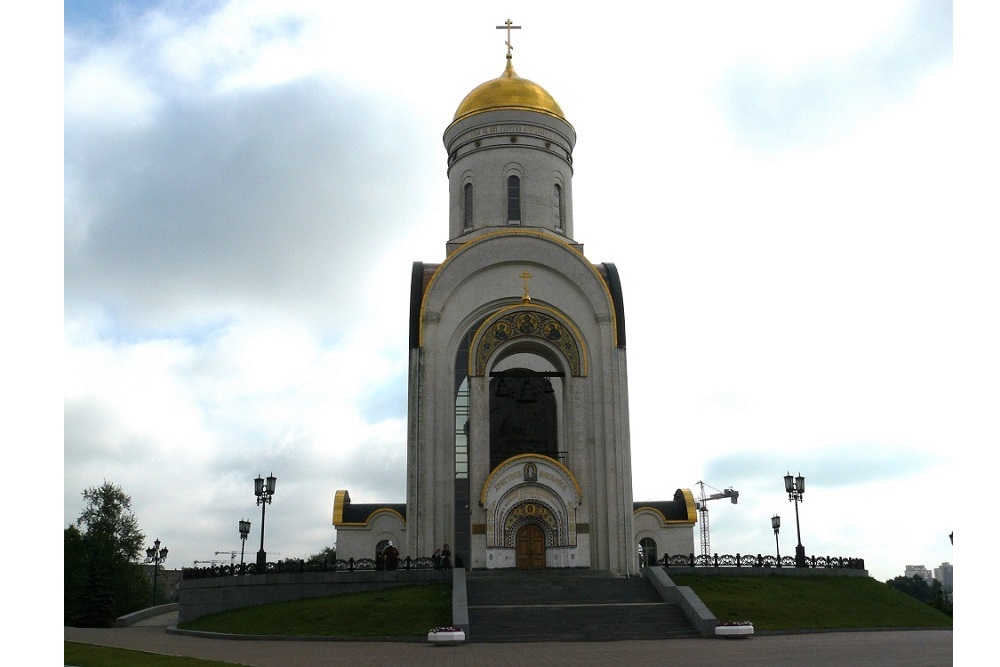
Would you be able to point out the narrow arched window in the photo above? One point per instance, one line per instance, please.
(557, 192)
(513, 200)
(467, 207)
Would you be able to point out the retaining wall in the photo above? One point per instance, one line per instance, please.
(199, 597)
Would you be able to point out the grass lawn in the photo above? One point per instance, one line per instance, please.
(403, 611)
(811, 603)
(85, 655)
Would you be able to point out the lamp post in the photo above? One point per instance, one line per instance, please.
(155, 555)
(795, 487)
(244, 532)
(776, 524)
(263, 489)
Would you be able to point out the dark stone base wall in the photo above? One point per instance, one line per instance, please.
(200, 597)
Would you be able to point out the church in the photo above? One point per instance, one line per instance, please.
(518, 450)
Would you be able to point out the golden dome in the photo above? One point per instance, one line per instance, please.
(508, 91)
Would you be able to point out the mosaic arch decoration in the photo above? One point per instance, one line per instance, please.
(531, 488)
(527, 322)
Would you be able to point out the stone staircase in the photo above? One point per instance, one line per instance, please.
(568, 605)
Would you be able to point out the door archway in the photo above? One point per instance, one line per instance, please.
(647, 549)
(530, 544)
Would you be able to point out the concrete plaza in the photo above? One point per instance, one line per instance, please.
(905, 648)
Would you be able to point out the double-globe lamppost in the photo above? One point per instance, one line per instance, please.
(776, 524)
(263, 489)
(155, 555)
(244, 533)
(795, 487)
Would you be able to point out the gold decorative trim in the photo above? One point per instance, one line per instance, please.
(689, 502)
(339, 501)
(513, 459)
(523, 321)
(562, 242)
(650, 510)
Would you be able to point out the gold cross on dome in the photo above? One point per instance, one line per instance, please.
(526, 277)
(508, 26)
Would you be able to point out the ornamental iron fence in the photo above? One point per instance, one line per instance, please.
(339, 565)
(747, 560)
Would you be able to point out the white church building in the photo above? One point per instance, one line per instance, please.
(518, 452)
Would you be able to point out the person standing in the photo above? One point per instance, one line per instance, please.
(391, 557)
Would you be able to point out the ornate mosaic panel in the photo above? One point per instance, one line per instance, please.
(530, 489)
(527, 322)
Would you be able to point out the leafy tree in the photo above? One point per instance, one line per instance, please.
(103, 576)
(939, 600)
(915, 586)
(328, 554)
(73, 575)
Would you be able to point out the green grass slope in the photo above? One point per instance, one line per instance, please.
(779, 603)
(85, 655)
(406, 611)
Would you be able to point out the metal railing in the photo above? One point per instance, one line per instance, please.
(339, 565)
(747, 560)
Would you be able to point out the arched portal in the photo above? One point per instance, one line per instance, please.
(522, 415)
(647, 552)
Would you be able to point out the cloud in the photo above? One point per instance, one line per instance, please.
(839, 467)
(260, 198)
(824, 98)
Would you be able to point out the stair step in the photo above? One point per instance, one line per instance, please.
(568, 605)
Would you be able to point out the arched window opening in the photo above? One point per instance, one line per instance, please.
(523, 414)
(462, 430)
(467, 207)
(647, 552)
(513, 200)
(461, 535)
(557, 191)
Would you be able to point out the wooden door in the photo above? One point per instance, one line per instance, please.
(530, 543)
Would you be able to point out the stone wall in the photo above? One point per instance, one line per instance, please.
(200, 597)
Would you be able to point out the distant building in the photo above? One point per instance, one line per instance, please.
(920, 571)
(945, 574)
(168, 582)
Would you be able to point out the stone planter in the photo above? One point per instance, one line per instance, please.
(733, 631)
(446, 637)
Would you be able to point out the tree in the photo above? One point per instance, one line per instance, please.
(74, 580)
(103, 569)
(915, 586)
(328, 555)
(939, 600)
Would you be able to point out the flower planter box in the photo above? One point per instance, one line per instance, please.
(730, 631)
(446, 637)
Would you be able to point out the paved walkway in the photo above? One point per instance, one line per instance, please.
(913, 648)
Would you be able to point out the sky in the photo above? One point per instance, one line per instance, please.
(782, 186)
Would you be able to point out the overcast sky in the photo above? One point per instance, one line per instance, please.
(246, 185)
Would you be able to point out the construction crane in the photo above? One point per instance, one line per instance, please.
(232, 558)
(702, 505)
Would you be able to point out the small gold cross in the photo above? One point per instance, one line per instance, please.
(526, 277)
(508, 26)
